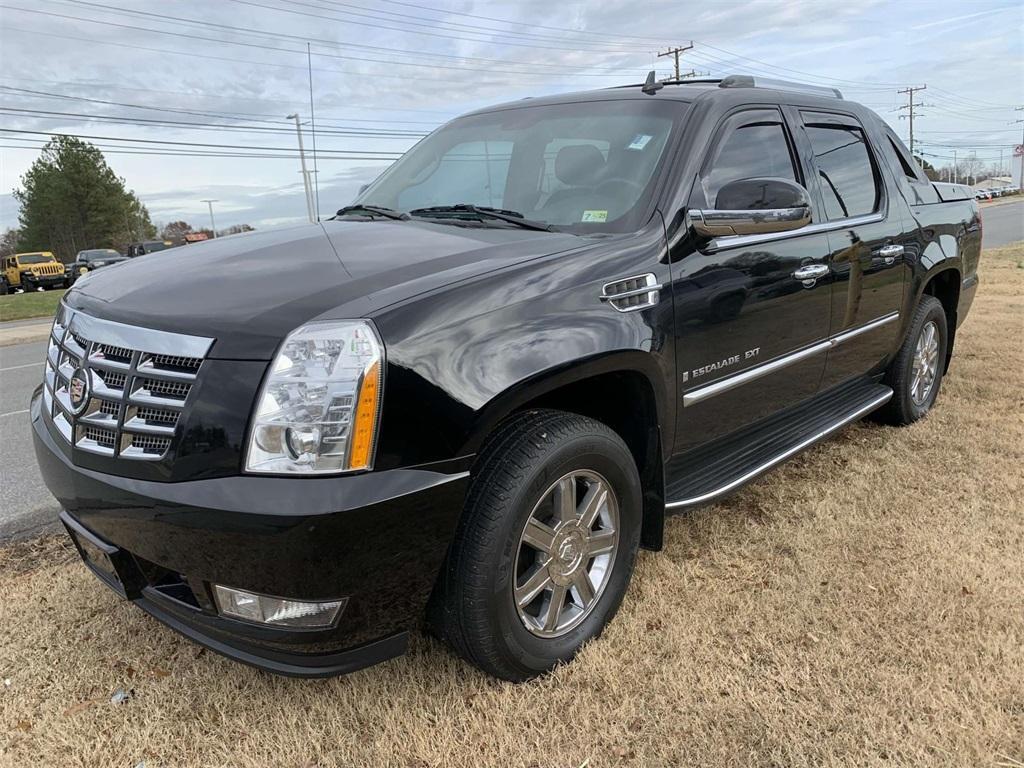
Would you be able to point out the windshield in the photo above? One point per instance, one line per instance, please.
(35, 258)
(585, 167)
(98, 254)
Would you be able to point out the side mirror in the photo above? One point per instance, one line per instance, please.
(362, 188)
(754, 207)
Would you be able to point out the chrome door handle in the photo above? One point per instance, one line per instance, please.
(889, 253)
(810, 273)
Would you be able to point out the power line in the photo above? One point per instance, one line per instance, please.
(344, 20)
(277, 34)
(353, 152)
(220, 41)
(106, 149)
(147, 122)
(204, 113)
(531, 24)
(448, 26)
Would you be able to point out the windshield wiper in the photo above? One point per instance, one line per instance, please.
(482, 212)
(373, 210)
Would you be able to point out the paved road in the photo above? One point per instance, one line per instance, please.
(1002, 224)
(26, 507)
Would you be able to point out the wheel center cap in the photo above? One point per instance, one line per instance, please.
(569, 547)
(567, 551)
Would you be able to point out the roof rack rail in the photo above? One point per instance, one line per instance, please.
(749, 81)
(737, 81)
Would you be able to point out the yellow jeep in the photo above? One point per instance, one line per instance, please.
(33, 271)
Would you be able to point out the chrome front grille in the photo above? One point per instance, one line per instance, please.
(118, 390)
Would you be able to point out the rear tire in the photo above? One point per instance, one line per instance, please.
(916, 374)
(553, 511)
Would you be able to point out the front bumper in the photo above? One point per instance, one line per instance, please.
(44, 280)
(378, 539)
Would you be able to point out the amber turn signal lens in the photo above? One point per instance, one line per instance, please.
(365, 419)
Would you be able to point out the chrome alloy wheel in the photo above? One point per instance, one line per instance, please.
(926, 362)
(565, 554)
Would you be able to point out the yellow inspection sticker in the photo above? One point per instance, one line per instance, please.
(595, 216)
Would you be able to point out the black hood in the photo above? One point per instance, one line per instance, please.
(248, 291)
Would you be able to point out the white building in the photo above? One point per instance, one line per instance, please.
(994, 182)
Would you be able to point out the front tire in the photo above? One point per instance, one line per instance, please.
(545, 549)
(916, 374)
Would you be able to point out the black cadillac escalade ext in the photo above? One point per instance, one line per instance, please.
(486, 383)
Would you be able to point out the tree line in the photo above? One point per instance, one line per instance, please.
(70, 200)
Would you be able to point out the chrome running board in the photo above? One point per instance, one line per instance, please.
(705, 474)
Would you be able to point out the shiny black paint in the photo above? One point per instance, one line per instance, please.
(377, 538)
(478, 323)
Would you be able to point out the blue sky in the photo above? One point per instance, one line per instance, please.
(386, 71)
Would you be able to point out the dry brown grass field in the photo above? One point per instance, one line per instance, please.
(862, 605)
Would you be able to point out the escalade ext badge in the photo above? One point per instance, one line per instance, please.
(540, 400)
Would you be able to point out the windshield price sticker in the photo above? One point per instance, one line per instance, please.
(639, 141)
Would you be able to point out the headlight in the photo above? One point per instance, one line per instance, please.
(319, 407)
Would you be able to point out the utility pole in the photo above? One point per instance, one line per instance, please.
(674, 52)
(213, 225)
(910, 91)
(305, 173)
(312, 130)
(956, 170)
(1020, 181)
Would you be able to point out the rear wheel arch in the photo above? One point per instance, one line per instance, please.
(945, 286)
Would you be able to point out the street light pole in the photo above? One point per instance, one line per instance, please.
(305, 173)
(213, 225)
(1020, 181)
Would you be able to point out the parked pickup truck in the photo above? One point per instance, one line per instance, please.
(488, 380)
(93, 258)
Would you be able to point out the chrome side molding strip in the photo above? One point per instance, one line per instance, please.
(864, 410)
(744, 377)
(839, 338)
(738, 241)
(723, 385)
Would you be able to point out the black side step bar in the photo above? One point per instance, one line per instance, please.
(703, 475)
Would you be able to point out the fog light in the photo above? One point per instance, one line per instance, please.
(277, 611)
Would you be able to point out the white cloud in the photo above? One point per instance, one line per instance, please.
(875, 44)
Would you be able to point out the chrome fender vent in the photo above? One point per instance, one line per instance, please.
(632, 293)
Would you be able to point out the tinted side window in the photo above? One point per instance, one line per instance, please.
(915, 185)
(753, 146)
(846, 173)
(905, 166)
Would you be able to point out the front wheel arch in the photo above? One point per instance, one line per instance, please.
(622, 398)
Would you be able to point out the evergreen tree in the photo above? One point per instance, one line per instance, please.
(71, 200)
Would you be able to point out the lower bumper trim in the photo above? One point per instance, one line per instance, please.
(327, 665)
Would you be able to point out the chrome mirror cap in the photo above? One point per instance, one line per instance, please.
(712, 223)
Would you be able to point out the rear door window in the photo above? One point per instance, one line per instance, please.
(751, 144)
(847, 175)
